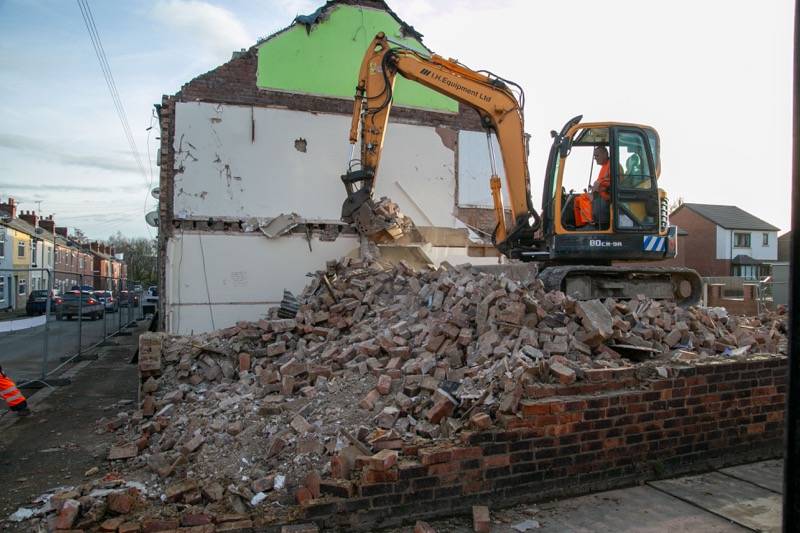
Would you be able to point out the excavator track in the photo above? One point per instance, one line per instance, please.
(683, 285)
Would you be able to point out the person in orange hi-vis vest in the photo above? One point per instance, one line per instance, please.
(603, 183)
(12, 396)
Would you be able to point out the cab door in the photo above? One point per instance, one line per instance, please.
(634, 158)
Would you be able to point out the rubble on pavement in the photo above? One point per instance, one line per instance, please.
(239, 425)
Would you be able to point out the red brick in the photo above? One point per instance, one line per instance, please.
(431, 456)
(244, 362)
(383, 460)
(67, 515)
(155, 525)
(444, 468)
(480, 519)
(370, 477)
(312, 483)
(423, 527)
(120, 502)
(462, 454)
(480, 421)
(384, 385)
(441, 409)
(303, 496)
(493, 461)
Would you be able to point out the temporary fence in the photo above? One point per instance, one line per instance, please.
(50, 318)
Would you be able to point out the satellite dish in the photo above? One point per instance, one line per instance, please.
(155, 192)
(152, 218)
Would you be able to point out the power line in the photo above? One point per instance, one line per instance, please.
(94, 35)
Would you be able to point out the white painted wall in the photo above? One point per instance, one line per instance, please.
(756, 249)
(246, 274)
(474, 170)
(230, 169)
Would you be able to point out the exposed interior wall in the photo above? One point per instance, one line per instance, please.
(237, 161)
(324, 58)
(241, 274)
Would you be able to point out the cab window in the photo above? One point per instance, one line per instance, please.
(632, 157)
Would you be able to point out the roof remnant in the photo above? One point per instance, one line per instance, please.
(319, 16)
(729, 217)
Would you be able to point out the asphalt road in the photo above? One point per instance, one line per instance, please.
(21, 351)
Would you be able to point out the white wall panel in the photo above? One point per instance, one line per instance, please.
(245, 274)
(236, 161)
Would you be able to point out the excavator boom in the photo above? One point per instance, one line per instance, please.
(490, 96)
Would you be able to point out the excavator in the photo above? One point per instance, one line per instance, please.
(579, 238)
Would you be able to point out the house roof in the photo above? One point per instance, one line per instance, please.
(743, 259)
(20, 225)
(730, 217)
(319, 16)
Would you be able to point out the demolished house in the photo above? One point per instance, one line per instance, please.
(251, 157)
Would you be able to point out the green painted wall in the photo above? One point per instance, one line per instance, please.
(326, 61)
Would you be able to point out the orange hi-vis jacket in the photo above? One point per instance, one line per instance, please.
(603, 183)
(9, 392)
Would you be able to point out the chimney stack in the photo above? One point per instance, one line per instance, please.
(48, 224)
(61, 230)
(9, 207)
(29, 217)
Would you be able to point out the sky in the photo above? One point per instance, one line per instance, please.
(712, 76)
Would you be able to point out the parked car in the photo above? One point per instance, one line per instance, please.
(150, 300)
(111, 303)
(71, 305)
(127, 299)
(37, 302)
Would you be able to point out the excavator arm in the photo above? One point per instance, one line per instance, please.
(499, 110)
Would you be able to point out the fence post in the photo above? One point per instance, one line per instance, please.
(46, 341)
(80, 313)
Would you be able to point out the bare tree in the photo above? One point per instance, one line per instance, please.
(139, 254)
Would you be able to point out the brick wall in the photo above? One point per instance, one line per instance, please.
(235, 83)
(614, 431)
(699, 247)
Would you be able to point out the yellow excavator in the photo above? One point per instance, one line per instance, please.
(575, 238)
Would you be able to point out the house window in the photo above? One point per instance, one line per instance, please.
(2, 245)
(21, 249)
(765, 239)
(2, 289)
(81, 262)
(741, 240)
(55, 255)
(23, 286)
(49, 256)
(33, 254)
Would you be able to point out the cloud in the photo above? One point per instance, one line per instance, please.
(41, 148)
(212, 27)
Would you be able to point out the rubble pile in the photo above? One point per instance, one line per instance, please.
(242, 423)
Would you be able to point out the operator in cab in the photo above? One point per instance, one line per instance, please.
(602, 188)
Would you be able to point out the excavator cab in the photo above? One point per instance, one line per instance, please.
(622, 216)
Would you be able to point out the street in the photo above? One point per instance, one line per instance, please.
(21, 351)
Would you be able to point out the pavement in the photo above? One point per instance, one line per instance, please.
(730, 500)
(59, 442)
(21, 351)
